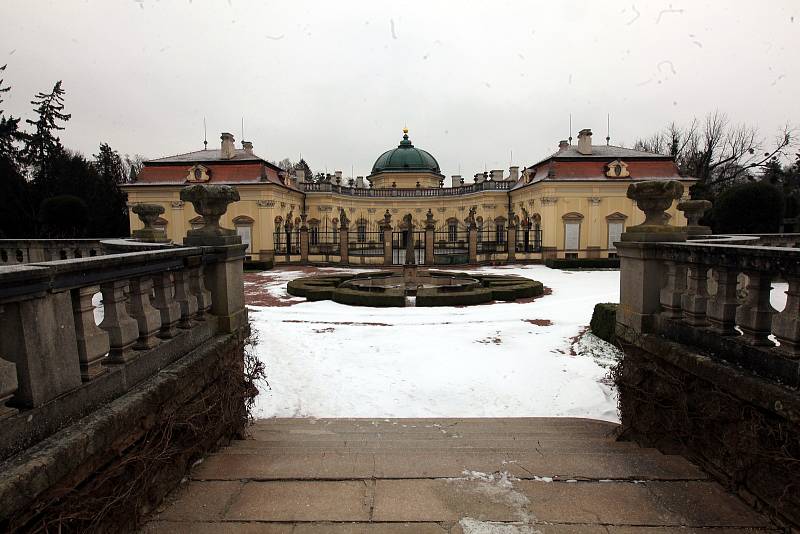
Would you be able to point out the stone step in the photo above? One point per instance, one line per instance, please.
(277, 465)
(540, 445)
(517, 424)
(692, 505)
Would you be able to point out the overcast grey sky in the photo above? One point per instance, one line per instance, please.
(338, 80)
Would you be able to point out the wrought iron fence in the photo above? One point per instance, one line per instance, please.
(323, 242)
(286, 242)
(492, 240)
(363, 242)
(450, 246)
(529, 240)
(399, 246)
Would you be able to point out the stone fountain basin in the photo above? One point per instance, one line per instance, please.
(442, 282)
(432, 288)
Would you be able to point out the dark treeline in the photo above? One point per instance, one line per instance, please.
(754, 184)
(48, 191)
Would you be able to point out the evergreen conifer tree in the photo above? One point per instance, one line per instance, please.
(43, 144)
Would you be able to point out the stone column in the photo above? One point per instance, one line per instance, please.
(721, 310)
(430, 228)
(303, 239)
(93, 343)
(147, 317)
(8, 383)
(472, 238)
(122, 329)
(217, 287)
(344, 243)
(166, 304)
(641, 268)
(786, 325)
(754, 316)
(511, 239)
(387, 238)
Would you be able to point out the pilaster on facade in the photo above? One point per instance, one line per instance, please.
(547, 201)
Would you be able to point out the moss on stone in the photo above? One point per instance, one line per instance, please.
(604, 321)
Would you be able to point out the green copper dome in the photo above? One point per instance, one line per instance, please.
(406, 158)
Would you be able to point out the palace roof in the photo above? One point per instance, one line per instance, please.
(406, 158)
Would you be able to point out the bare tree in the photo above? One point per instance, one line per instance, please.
(717, 152)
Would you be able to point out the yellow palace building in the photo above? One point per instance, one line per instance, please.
(570, 204)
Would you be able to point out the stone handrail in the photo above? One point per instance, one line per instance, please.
(489, 185)
(21, 251)
(713, 292)
(156, 305)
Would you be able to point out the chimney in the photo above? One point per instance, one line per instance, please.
(497, 175)
(513, 173)
(228, 149)
(299, 175)
(479, 177)
(585, 141)
(248, 147)
(455, 180)
(563, 145)
(360, 182)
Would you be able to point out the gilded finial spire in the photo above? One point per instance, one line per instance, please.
(405, 130)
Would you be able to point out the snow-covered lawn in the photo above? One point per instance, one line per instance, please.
(325, 359)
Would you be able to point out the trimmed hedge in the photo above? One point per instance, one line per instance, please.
(258, 265)
(389, 298)
(492, 287)
(604, 321)
(430, 297)
(582, 263)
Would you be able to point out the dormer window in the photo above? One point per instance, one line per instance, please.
(617, 169)
(198, 173)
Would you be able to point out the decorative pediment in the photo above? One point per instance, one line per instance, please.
(616, 216)
(572, 216)
(617, 169)
(243, 220)
(198, 174)
(160, 221)
(197, 220)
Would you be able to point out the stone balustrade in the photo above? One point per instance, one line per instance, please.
(715, 294)
(22, 251)
(89, 329)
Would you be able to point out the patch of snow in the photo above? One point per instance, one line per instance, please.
(474, 526)
(325, 359)
(542, 479)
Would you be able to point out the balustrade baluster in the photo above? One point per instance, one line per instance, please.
(166, 304)
(672, 293)
(93, 343)
(695, 300)
(786, 325)
(122, 329)
(8, 383)
(147, 317)
(721, 310)
(185, 298)
(198, 288)
(754, 317)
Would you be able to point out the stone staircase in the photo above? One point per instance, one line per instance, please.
(471, 476)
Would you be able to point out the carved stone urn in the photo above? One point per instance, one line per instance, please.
(211, 202)
(654, 198)
(149, 214)
(693, 210)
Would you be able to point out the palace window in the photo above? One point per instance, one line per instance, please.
(452, 232)
(313, 235)
(616, 225)
(500, 229)
(362, 232)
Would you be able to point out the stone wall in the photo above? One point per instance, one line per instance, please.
(743, 429)
(104, 472)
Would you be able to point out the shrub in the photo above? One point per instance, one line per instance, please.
(604, 321)
(754, 208)
(430, 297)
(582, 263)
(64, 216)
